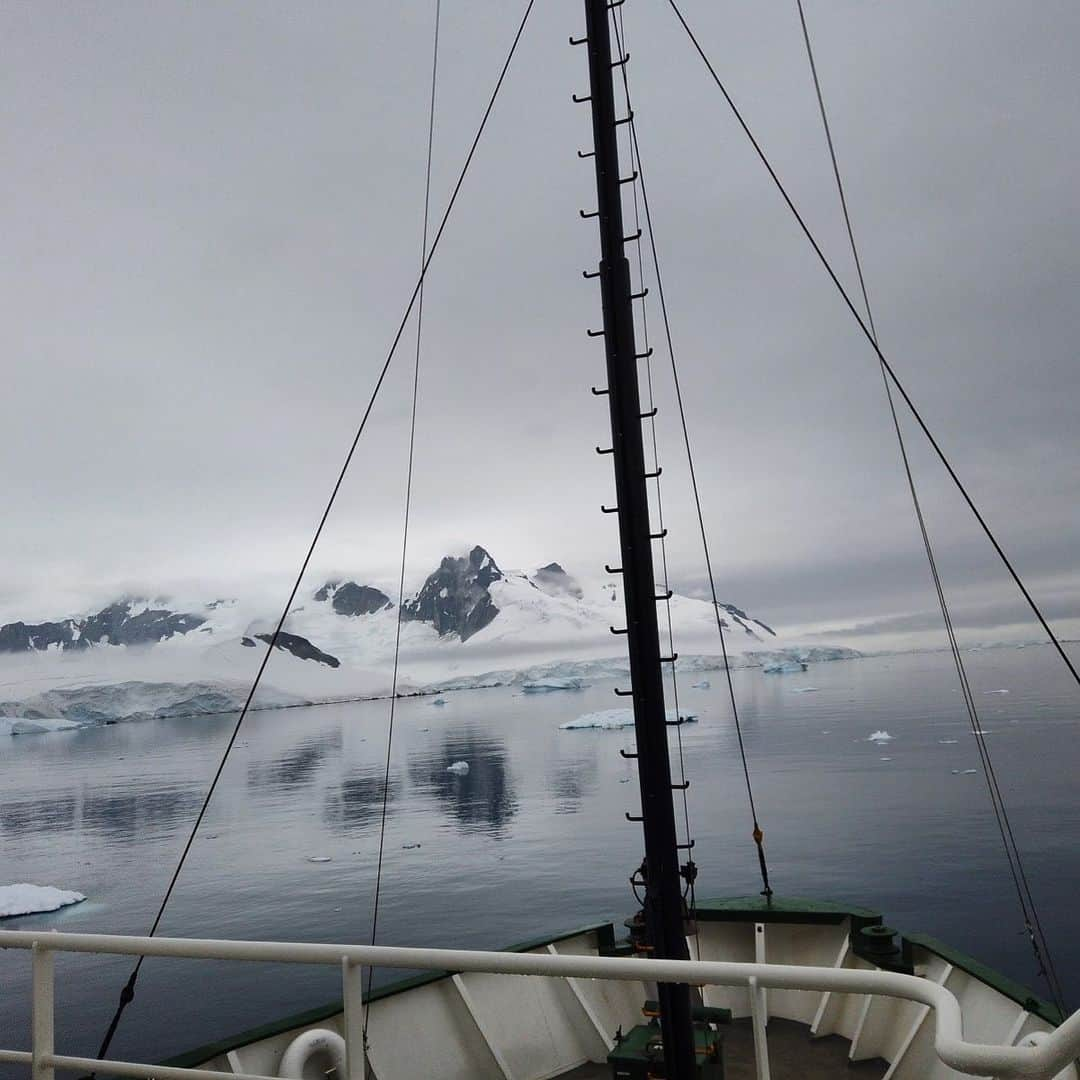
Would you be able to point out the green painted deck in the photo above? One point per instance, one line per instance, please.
(793, 1055)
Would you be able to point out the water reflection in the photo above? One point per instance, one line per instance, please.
(570, 780)
(25, 816)
(357, 801)
(296, 767)
(481, 798)
(126, 811)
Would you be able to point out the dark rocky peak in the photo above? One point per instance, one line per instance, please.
(352, 599)
(743, 620)
(555, 581)
(300, 647)
(455, 598)
(125, 622)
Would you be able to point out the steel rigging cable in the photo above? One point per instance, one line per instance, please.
(127, 994)
(1032, 923)
(757, 833)
(405, 523)
(873, 344)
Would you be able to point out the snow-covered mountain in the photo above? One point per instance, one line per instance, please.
(470, 620)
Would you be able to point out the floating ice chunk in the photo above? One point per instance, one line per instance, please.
(996, 691)
(804, 689)
(703, 685)
(947, 742)
(548, 686)
(26, 899)
(439, 701)
(784, 667)
(885, 759)
(460, 768)
(319, 858)
(18, 725)
(879, 737)
(625, 780)
(964, 772)
(409, 847)
(611, 719)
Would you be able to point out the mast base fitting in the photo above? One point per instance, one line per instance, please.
(877, 944)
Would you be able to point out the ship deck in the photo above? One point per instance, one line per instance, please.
(793, 1055)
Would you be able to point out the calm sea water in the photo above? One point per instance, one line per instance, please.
(533, 839)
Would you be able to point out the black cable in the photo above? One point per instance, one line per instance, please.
(128, 992)
(880, 355)
(758, 834)
(1012, 851)
(405, 525)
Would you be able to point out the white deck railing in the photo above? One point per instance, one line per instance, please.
(1044, 1057)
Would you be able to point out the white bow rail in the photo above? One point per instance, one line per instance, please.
(1041, 1061)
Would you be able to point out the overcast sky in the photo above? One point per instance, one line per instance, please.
(212, 220)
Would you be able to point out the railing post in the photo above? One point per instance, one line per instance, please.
(42, 1017)
(352, 996)
(757, 1015)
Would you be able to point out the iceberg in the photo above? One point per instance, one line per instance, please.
(612, 719)
(459, 768)
(879, 737)
(22, 725)
(548, 686)
(26, 899)
(784, 667)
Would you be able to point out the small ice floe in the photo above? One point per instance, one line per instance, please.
(884, 759)
(439, 701)
(459, 768)
(703, 685)
(409, 847)
(611, 719)
(319, 858)
(804, 689)
(947, 742)
(625, 780)
(784, 667)
(20, 725)
(828, 731)
(995, 691)
(23, 898)
(981, 732)
(879, 737)
(964, 772)
(550, 686)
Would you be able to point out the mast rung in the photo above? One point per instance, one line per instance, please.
(627, 119)
(621, 63)
(586, 274)
(579, 41)
(595, 333)
(613, 569)
(625, 630)
(658, 536)
(639, 295)
(644, 355)
(600, 393)
(591, 214)
(670, 660)
(630, 239)
(615, 4)
(629, 179)
(609, 450)
(666, 596)
(680, 787)
(623, 752)
(650, 414)
(623, 693)
(608, 509)
(583, 154)
(580, 100)
(631, 817)
(654, 475)
(685, 847)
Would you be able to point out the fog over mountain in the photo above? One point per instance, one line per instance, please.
(212, 225)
